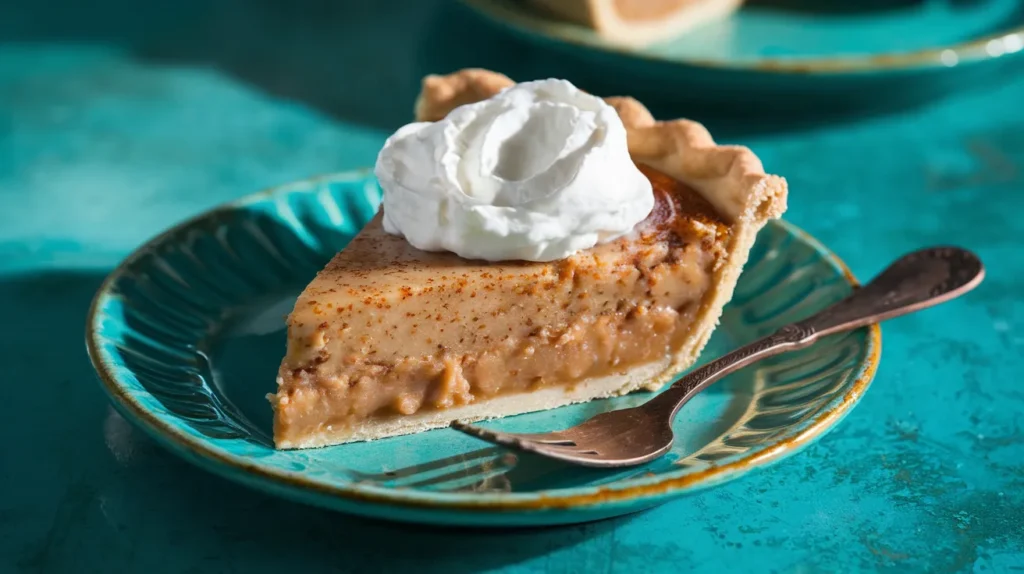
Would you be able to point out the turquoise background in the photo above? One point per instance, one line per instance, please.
(118, 119)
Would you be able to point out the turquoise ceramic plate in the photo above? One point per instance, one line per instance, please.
(793, 47)
(187, 333)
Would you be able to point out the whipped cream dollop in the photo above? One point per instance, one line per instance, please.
(537, 172)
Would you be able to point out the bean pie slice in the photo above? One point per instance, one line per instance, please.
(389, 339)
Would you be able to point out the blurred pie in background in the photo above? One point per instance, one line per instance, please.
(637, 22)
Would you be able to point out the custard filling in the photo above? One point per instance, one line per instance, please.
(608, 343)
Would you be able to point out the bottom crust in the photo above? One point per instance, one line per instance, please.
(503, 406)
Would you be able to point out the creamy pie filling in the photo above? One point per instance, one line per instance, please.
(360, 351)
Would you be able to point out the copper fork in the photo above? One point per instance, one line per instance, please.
(633, 436)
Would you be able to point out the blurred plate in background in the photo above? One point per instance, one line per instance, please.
(779, 52)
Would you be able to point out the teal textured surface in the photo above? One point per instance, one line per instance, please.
(117, 122)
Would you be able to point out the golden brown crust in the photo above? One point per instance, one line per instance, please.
(442, 94)
(730, 177)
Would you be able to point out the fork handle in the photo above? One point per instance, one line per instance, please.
(915, 281)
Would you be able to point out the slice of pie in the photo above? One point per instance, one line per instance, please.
(390, 340)
(638, 22)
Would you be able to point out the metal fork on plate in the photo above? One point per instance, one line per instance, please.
(640, 434)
